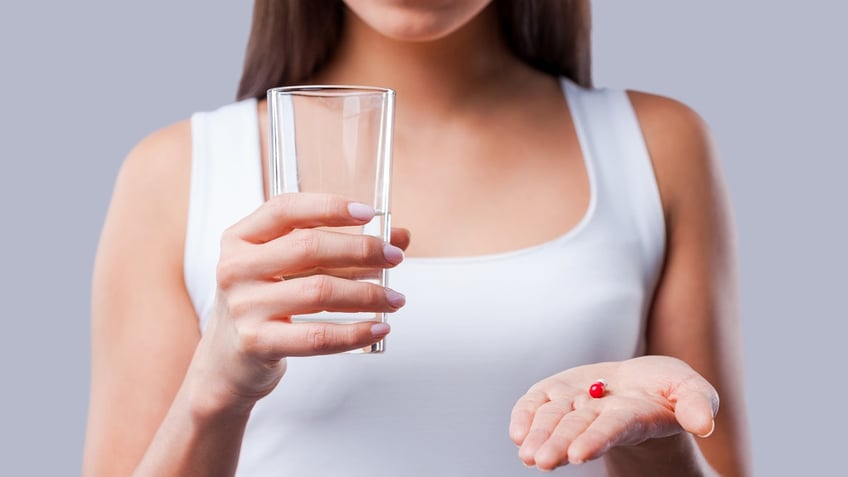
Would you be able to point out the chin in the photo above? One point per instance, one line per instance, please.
(416, 20)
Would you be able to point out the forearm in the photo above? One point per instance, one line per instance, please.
(195, 440)
(677, 455)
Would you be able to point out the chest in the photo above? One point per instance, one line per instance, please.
(488, 187)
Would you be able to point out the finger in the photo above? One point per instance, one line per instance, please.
(285, 212)
(556, 451)
(522, 415)
(400, 238)
(545, 420)
(303, 250)
(275, 340)
(314, 294)
(610, 428)
(695, 406)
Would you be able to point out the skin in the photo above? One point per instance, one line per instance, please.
(505, 148)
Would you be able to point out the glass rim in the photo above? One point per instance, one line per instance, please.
(330, 90)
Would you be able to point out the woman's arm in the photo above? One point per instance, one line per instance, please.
(144, 329)
(695, 315)
(644, 425)
(166, 401)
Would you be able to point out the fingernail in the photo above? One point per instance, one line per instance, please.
(394, 298)
(380, 329)
(393, 255)
(708, 434)
(360, 211)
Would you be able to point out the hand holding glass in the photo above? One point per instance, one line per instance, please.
(337, 140)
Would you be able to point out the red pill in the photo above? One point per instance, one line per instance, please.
(597, 389)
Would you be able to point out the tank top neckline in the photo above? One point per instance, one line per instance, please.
(567, 87)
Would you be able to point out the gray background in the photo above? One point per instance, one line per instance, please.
(83, 81)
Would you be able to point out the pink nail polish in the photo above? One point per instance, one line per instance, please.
(394, 298)
(360, 211)
(393, 254)
(380, 329)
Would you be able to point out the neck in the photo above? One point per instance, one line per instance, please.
(431, 76)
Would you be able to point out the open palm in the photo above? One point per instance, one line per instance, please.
(649, 397)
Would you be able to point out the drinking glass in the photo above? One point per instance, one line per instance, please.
(336, 139)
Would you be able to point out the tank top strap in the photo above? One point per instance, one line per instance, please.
(625, 193)
(226, 185)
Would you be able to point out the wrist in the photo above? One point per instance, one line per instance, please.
(207, 393)
(205, 405)
(199, 436)
(674, 455)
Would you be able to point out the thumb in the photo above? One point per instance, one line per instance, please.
(695, 406)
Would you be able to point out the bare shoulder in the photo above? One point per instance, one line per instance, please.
(172, 138)
(155, 174)
(669, 125)
(146, 222)
(680, 144)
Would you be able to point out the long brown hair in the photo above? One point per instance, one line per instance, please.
(291, 39)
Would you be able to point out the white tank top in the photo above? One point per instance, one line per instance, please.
(476, 332)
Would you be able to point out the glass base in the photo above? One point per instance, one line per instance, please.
(375, 348)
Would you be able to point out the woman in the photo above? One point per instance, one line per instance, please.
(562, 235)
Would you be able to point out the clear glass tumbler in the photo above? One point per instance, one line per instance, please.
(336, 139)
